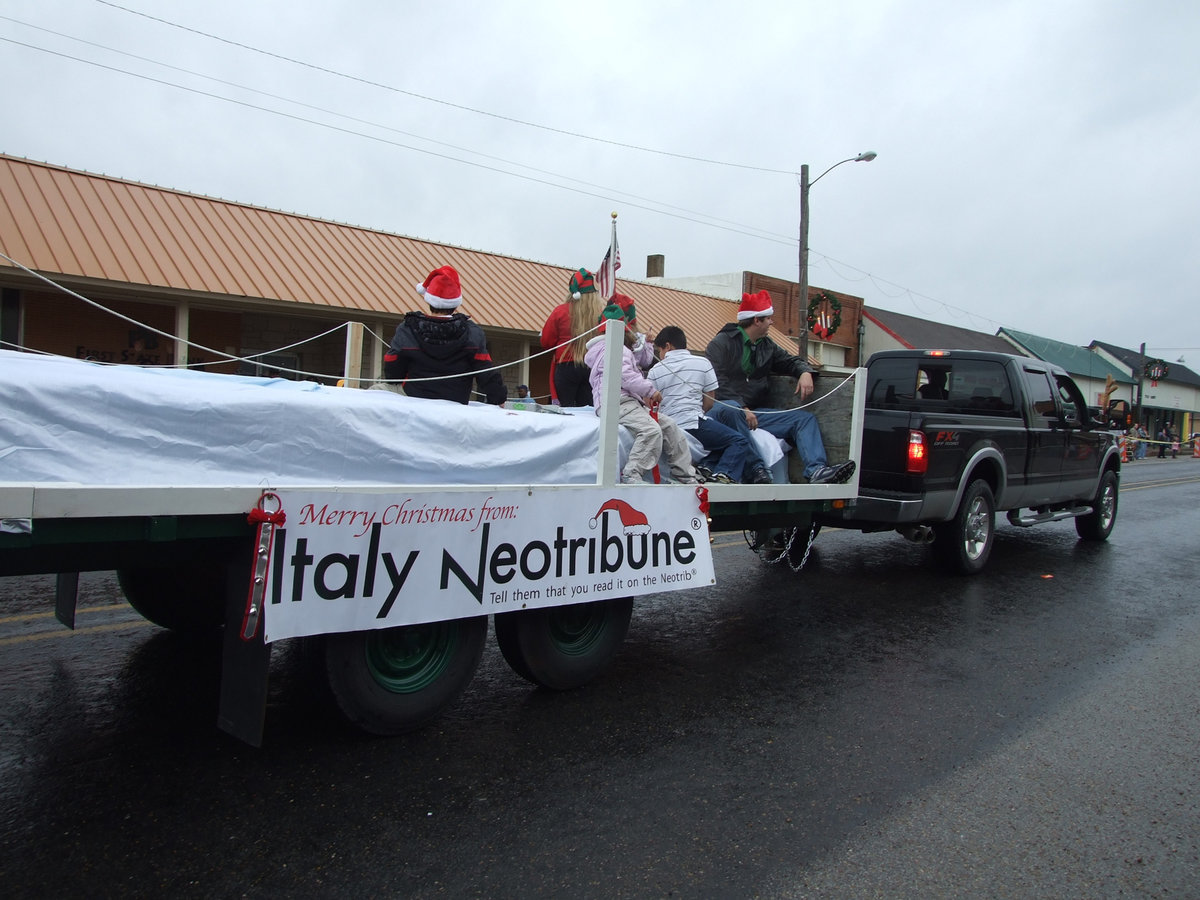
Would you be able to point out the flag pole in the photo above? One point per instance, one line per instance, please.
(612, 262)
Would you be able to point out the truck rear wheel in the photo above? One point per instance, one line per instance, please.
(187, 598)
(563, 647)
(963, 544)
(1098, 524)
(392, 680)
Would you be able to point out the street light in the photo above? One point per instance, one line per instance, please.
(802, 297)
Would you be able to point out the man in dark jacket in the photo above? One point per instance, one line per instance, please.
(442, 345)
(744, 359)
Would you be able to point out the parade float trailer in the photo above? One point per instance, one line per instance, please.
(383, 529)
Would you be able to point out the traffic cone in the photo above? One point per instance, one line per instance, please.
(1196, 448)
(1124, 445)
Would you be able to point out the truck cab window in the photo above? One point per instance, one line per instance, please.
(1074, 406)
(934, 383)
(1041, 399)
(891, 382)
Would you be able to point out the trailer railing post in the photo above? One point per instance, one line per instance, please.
(610, 406)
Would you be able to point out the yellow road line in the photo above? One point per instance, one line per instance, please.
(1155, 484)
(33, 617)
(66, 632)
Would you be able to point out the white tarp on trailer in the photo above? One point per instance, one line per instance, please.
(77, 422)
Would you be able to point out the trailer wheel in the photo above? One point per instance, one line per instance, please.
(392, 680)
(1098, 524)
(188, 598)
(563, 647)
(963, 544)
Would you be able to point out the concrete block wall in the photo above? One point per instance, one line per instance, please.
(834, 414)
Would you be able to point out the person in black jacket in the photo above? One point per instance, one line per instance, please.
(442, 343)
(744, 358)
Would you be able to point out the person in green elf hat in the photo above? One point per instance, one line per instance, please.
(651, 433)
(567, 329)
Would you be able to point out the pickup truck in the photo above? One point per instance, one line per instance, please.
(952, 436)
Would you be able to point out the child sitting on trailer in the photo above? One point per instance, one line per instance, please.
(649, 435)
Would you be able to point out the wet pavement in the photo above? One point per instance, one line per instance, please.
(868, 727)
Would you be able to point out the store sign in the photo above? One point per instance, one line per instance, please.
(358, 561)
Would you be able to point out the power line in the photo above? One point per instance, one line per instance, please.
(382, 140)
(741, 227)
(714, 222)
(428, 99)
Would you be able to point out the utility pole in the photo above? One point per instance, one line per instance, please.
(802, 298)
(1141, 375)
(802, 291)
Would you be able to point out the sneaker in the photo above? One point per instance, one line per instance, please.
(759, 475)
(720, 478)
(705, 473)
(838, 474)
(632, 478)
(682, 479)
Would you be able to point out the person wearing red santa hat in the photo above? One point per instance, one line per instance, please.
(744, 358)
(437, 355)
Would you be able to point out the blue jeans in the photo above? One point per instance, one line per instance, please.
(797, 427)
(727, 447)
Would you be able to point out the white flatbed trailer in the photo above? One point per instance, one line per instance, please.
(189, 558)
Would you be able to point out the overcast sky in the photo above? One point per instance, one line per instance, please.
(1036, 161)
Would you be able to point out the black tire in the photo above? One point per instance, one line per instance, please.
(964, 544)
(563, 647)
(393, 680)
(187, 598)
(1098, 524)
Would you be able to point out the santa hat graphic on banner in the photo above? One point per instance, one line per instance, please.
(441, 288)
(632, 521)
(755, 305)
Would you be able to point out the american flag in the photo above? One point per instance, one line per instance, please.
(608, 268)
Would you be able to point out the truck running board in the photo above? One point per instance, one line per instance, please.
(1037, 517)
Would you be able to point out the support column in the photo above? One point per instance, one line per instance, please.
(182, 322)
(352, 370)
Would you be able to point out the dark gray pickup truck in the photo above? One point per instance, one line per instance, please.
(951, 436)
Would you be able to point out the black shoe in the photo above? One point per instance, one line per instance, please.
(759, 475)
(839, 474)
(705, 473)
(720, 478)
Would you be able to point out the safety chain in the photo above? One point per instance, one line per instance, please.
(786, 552)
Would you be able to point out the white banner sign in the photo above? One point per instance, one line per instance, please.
(357, 561)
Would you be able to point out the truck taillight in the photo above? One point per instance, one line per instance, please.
(918, 458)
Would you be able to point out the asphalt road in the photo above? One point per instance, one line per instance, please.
(866, 728)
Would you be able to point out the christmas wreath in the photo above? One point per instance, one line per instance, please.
(824, 315)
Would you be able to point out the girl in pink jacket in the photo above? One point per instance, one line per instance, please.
(650, 437)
